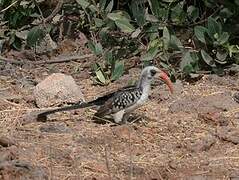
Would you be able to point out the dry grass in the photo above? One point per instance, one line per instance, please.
(155, 147)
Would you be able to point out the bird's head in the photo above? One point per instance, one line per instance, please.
(151, 72)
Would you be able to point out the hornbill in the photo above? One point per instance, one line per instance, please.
(121, 103)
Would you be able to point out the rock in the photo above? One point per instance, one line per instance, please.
(229, 134)
(218, 80)
(124, 131)
(197, 177)
(21, 170)
(234, 178)
(96, 166)
(7, 155)
(213, 103)
(57, 89)
(55, 128)
(214, 119)
(6, 142)
(11, 167)
(202, 144)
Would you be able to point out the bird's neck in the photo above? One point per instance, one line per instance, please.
(144, 86)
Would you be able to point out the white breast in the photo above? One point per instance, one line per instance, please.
(140, 102)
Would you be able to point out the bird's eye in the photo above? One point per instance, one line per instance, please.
(153, 72)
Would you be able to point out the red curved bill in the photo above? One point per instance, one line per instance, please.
(167, 80)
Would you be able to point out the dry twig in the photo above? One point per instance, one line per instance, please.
(9, 6)
(54, 60)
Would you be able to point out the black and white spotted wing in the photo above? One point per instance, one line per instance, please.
(121, 100)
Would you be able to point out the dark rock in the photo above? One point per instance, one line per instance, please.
(214, 119)
(6, 142)
(55, 128)
(7, 155)
(21, 170)
(229, 134)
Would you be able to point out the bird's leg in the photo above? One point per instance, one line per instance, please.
(118, 117)
(125, 118)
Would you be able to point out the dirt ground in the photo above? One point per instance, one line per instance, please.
(193, 134)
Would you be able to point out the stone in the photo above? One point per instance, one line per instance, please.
(55, 128)
(6, 142)
(219, 102)
(57, 89)
(230, 134)
(202, 144)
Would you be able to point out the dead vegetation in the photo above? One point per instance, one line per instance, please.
(190, 135)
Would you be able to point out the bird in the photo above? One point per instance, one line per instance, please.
(122, 102)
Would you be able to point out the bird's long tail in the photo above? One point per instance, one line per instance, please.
(97, 102)
(43, 115)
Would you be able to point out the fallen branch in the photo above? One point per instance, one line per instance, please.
(64, 59)
(54, 60)
(9, 6)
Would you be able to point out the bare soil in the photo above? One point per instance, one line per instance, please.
(193, 134)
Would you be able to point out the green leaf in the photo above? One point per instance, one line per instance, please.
(83, 3)
(155, 7)
(91, 45)
(93, 8)
(186, 60)
(98, 22)
(176, 43)
(213, 27)
(17, 44)
(124, 25)
(226, 13)
(109, 7)
(193, 12)
(115, 16)
(100, 76)
(199, 32)
(233, 49)
(136, 33)
(98, 49)
(188, 69)
(118, 70)
(223, 38)
(138, 11)
(189, 62)
(102, 4)
(207, 58)
(154, 43)
(151, 18)
(35, 35)
(178, 15)
(121, 21)
(166, 37)
(109, 57)
(150, 55)
(221, 55)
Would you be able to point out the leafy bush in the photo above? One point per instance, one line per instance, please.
(183, 37)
